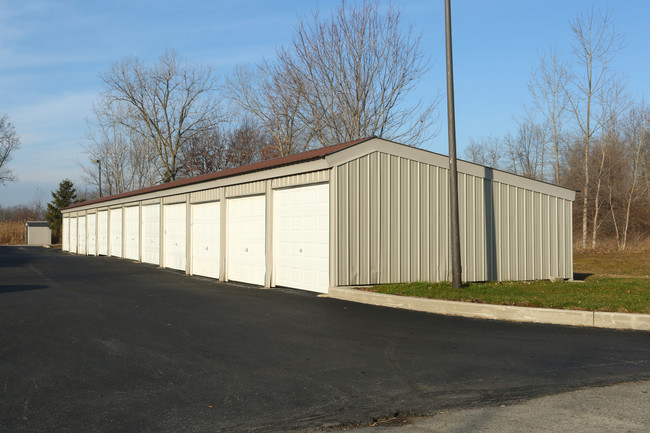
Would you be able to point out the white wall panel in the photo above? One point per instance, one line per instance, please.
(246, 248)
(116, 232)
(301, 237)
(206, 230)
(81, 235)
(102, 232)
(175, 234)
(73, 235)
(65, 234)
(151, 234)
(132, 232)
(91, 234)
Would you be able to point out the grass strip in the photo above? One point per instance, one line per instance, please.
(624, 295)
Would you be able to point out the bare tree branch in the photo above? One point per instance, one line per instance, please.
(167, 104)
(9, 144)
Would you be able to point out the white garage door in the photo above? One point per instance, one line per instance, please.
(151, 234)
(246, 239)
(73, 235)
(205, 239)
(65, 234)
(81, 235)
(91, 221)
(116, 232)
(102, 233)
(175, 236)
(301, 237)
(132, 233)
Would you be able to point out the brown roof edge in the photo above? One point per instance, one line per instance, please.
(319, 153)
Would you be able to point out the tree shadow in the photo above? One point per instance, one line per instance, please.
(490, 227)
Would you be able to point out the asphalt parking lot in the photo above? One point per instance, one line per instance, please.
(106, 345)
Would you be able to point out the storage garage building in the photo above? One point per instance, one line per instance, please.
(38, 233)
(365, 212)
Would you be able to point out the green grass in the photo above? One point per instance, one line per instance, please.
(612, 282)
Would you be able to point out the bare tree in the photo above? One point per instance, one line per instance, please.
(36, 204)
(275, 97)
(612, 102)
(235, 144)
(525, 151)
(109, 142)
(205, 153)
(356, 69)
(487, 151)
(165, 104)
(9, 144)
(596, 43)
(245, 144)
(546, 86)
(638, 138)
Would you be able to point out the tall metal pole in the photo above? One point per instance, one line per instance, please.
(453, 171)
(99, 163)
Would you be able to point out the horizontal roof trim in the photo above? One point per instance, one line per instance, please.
(309, 155)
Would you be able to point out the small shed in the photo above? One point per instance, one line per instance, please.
(38, 233)
(369, 211)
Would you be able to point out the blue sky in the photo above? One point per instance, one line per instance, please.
(53, 50)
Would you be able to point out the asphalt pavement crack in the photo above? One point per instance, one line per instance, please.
(390, 356)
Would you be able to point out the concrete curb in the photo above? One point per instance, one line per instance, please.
(598, 319)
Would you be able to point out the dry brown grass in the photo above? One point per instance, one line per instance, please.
(635, 243)
(594, 264)
(12, 232)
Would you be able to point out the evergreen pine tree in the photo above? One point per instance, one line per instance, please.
(63, 197)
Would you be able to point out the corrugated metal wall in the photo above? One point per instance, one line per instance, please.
(393, 225)
(301, 179)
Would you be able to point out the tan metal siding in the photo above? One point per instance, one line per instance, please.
(566, 236)
(393, 225)
(384, 236)
(173, 199)
(353, 214)
(374, 233)
(414, 224)
(404, 212)
(250, 188)
(206, 195)
(425, 226)
(364, 219)
(301, 179)
(343, 227)
(394, 215)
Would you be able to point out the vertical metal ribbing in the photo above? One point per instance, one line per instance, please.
(333, 228)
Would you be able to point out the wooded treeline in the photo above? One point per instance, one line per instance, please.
(583, 129)
(344, 76)
(353, 74)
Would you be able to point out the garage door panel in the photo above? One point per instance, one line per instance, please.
(91, 221)
(102, 233)
(65, 235)
(175, 247)
(206, 233)
(73, 235)
(301, 247)
(132, 233)
(151, 234)
(246, 259)
(81, 235)
(116, 232)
